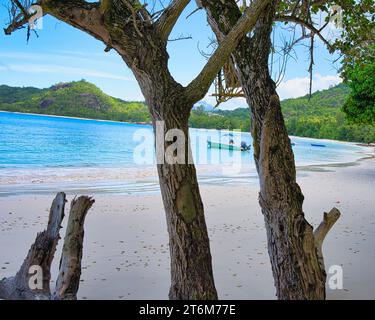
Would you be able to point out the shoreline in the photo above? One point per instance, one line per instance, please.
(74, 118)
(372, 145)
(132, 180)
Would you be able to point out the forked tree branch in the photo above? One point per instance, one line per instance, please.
(18, 15)
(80, 14)
(197, 89)
(42, 252)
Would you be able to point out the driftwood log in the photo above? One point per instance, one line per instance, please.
(41, 254)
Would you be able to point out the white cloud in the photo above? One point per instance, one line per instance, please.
(229, 105)
(67, 56)
(298, 87)
(35, 68)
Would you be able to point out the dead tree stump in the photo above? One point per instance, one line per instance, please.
(32, 281)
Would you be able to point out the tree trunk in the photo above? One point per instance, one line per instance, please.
(191, 266)
(294, 252)
(170, 105)
(291, 245)
(191, 269)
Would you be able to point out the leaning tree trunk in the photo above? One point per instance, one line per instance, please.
(23, 285)
(170, 104)
(191, 263)
(191, 269)
(297, 268)
(295, 252)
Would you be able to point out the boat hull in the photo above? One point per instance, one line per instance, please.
(216, 145)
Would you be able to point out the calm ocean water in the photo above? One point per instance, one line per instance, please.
(34, 147)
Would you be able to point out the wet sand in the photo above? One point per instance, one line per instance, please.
(126, 253)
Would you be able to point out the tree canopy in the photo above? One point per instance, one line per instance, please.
(360, 77)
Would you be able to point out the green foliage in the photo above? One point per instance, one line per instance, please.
(221, 119)
(75, 99)
(356, 21)
(322, 117)
(318, 117)
(358, 25)
(360, 77)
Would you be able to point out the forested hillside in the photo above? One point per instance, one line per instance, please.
(318, 117)
(322, 117)
(75, 99)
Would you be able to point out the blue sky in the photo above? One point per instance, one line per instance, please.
(62, 53)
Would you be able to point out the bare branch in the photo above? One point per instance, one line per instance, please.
(181, 37)
(329, 219)
(169, 17)
(83, 15)
(312, 62)
(18, 15)
(307, 25)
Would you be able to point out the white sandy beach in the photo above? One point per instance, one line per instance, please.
(126, 244)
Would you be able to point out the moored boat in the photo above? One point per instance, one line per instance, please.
(225, 146)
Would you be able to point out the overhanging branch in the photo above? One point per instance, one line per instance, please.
(308, 26)
(18, 15)
(197, 89)
(80, 14)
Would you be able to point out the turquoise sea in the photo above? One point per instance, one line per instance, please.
(38, 151)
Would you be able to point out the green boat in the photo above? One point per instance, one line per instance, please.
(217, 145)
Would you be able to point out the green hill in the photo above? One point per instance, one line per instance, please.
(322, 117)
(75, 99)
(318, 117)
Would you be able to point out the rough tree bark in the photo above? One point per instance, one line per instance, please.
(128, 28)
(42, 252)
(191, 269)
(191, 263)
(67, 283)
(295, 253)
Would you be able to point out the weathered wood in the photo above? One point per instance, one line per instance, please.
(40, 254)
(320, 233)
(67, 283)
